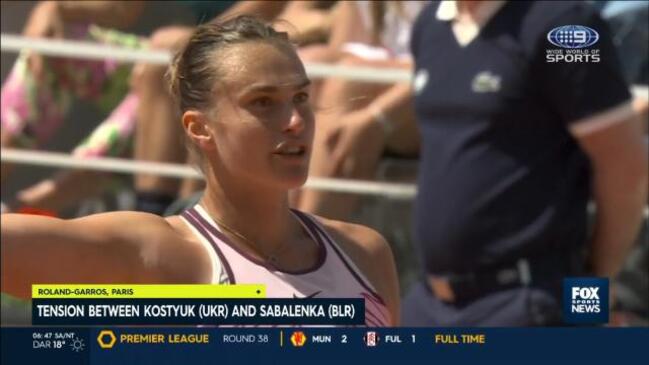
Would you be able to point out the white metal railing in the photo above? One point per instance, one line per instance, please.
(116, 165)
(95, 51)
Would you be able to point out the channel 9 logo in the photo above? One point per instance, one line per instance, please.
(585, 300)
(573, 36)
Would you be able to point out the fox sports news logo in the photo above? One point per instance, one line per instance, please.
(585, 300)
(573, 36)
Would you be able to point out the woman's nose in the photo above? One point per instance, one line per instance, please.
(296, 123)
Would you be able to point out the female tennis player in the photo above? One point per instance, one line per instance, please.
(244, 97)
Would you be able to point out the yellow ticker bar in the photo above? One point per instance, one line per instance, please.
(115, 291)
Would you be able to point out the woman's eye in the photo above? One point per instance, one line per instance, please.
(301, 98)
(263, 102)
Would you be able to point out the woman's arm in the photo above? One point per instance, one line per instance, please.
(123, 247)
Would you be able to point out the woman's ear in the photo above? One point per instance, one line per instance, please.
(198, 130)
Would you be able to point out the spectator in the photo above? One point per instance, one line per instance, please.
(353, 131)
(39, 90)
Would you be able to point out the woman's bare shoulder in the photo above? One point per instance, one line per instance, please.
(372, 255)
(366, 247)
(192, 258)
(143, 227)
(359, 241)
(166, 242)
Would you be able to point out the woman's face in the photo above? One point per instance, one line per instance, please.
(262, 121)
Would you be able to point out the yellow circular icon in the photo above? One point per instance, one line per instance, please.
(102, 337)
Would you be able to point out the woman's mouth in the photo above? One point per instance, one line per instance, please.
(290, 151)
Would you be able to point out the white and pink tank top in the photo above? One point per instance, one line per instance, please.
(333, 276)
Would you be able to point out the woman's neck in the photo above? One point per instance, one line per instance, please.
(262, 216)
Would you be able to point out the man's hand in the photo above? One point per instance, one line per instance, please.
(359, 141)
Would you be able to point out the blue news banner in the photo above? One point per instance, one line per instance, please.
(210, 345)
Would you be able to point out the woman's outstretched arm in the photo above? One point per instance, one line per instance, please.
(124, 247)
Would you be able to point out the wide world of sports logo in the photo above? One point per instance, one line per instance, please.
(573, 44)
